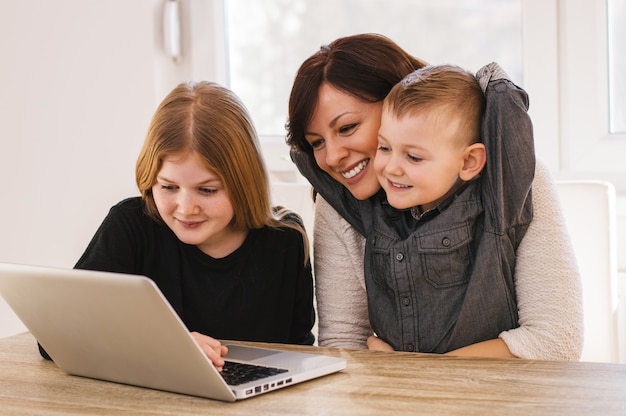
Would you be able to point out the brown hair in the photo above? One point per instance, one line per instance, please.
(365, 66)
(447, 92)
(211, 121)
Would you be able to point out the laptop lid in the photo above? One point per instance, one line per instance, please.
(119, 327)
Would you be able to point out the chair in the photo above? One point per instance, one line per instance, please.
(297, 197)
(589, 211)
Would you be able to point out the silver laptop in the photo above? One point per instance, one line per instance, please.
(120, 328)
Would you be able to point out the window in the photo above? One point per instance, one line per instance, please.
(269, 39)
(591, 102)
(616, 16)
(558, 50)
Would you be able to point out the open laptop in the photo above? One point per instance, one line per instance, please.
(120, 328)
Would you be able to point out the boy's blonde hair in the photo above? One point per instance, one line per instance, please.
(445, 92)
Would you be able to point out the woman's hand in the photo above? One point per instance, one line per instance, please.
(212, 348)
(376, 344)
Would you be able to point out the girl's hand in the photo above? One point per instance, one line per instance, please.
(212, 348)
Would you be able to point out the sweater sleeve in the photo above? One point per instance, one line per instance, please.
(549, 299)
(339, 281)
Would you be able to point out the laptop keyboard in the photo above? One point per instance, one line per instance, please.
(235, 373)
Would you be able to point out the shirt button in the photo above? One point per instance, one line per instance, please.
(399, 256)
(406, 301)
(409, 347)
(446, 242)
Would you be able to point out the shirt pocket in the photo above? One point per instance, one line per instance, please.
(378, 259)
(446, 256)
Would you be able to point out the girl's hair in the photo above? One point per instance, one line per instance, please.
(365, 66)
(211, 121)
(447, 93)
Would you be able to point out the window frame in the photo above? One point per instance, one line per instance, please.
(571, 136)
(566, 56)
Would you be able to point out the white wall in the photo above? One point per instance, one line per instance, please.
(79, 81)
(78, 88)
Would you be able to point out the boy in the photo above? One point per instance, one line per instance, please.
(470, 198)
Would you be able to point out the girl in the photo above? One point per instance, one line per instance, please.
(203, 229)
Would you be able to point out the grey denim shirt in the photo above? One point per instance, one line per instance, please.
(445, 280)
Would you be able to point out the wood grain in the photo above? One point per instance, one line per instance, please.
(373, 383)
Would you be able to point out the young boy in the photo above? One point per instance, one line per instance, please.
(456, 161)
(469, 196)
(429, 139)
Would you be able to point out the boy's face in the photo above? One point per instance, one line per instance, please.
(418, 159)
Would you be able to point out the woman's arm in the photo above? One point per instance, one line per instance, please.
(490, 348)
(548, 287)
(339, 282)
(547, 282)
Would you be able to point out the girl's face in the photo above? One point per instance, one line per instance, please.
(194, 204)
(343, 133)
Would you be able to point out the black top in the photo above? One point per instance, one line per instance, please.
(260, 292)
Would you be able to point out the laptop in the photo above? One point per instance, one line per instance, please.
(120, 328)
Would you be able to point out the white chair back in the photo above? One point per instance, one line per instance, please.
(589, 211)
(297, 197)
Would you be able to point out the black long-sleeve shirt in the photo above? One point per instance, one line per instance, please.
(261, 292)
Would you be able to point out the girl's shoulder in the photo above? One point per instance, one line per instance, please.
(132, 203)
(131, 214)
(128, 206)
(287, 229)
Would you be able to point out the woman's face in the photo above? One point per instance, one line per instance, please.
(343, 133)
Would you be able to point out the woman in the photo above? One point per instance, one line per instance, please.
(203, 228)
(334, 115)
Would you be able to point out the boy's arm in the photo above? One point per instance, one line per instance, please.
(507, 133)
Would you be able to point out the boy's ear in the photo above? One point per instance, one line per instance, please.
(474, 160)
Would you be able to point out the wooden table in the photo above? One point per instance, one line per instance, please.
(373, 383)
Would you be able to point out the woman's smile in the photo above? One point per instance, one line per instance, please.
(355, 170)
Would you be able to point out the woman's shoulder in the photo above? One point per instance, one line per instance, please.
(330, 219)
(332, 234)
